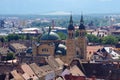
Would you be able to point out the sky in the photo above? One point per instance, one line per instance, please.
(41, 7)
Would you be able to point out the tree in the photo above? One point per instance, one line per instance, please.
(28, 37)
(2, 39)
(10, 56)
(118, 37)
(22, 37)
(92, 38)
(13, 37)
(77, 33)
(109, 40)
(62, 35)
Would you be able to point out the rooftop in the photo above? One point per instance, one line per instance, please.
(50, 36)
(18, 46)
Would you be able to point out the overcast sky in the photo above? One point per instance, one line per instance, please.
(58, 6)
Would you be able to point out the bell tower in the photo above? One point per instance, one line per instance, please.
(70, 42)
(82, 43)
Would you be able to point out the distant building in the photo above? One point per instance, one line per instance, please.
(58, 29)
(17, 47)
(32, 31)
(2, 23)
(105, 53)
(98, 33)
(116, 33)
(3, 53)
(116, 26)
(117, 46)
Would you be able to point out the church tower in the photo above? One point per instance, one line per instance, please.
(82, 44)
(70, 43)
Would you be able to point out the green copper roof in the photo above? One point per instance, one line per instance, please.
(50, 36)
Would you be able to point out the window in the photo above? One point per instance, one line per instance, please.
(45, 50)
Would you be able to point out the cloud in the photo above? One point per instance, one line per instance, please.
(58, 13)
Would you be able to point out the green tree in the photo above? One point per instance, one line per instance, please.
(62, 35)
(2, 39)
(77, 33)
(28, 37)
(109, 40)
(22, 37)
(118, 37)
(13, 37)
(92, 38)
(10, 56)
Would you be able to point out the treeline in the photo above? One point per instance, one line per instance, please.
(111, 40)
(107, 40)
(16, 37)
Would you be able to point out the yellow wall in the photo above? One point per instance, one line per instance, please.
(46, 49)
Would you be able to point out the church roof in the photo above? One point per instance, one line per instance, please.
(61, 49)
(50, 36)
(81, 24)
(71, 27)
(82, 27)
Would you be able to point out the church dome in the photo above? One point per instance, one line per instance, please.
(50, 36)
(61, 49)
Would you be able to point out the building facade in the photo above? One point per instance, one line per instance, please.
(76, 47)
(51, 44)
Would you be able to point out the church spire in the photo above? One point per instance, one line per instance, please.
(71, 27)
(81, 27)
(81, 20)
(71, 21)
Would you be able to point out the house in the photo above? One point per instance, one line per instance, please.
(105, 53)
(17, 47)
(117, 46)
(3, 53)
(16, 75)
(73, 73)
(48, 72)
(43, 72)
(28, 72)
(55, 65)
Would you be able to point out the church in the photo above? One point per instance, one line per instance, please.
(51, 45)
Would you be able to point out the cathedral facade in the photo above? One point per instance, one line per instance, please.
(76, 47)
(51, 44)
